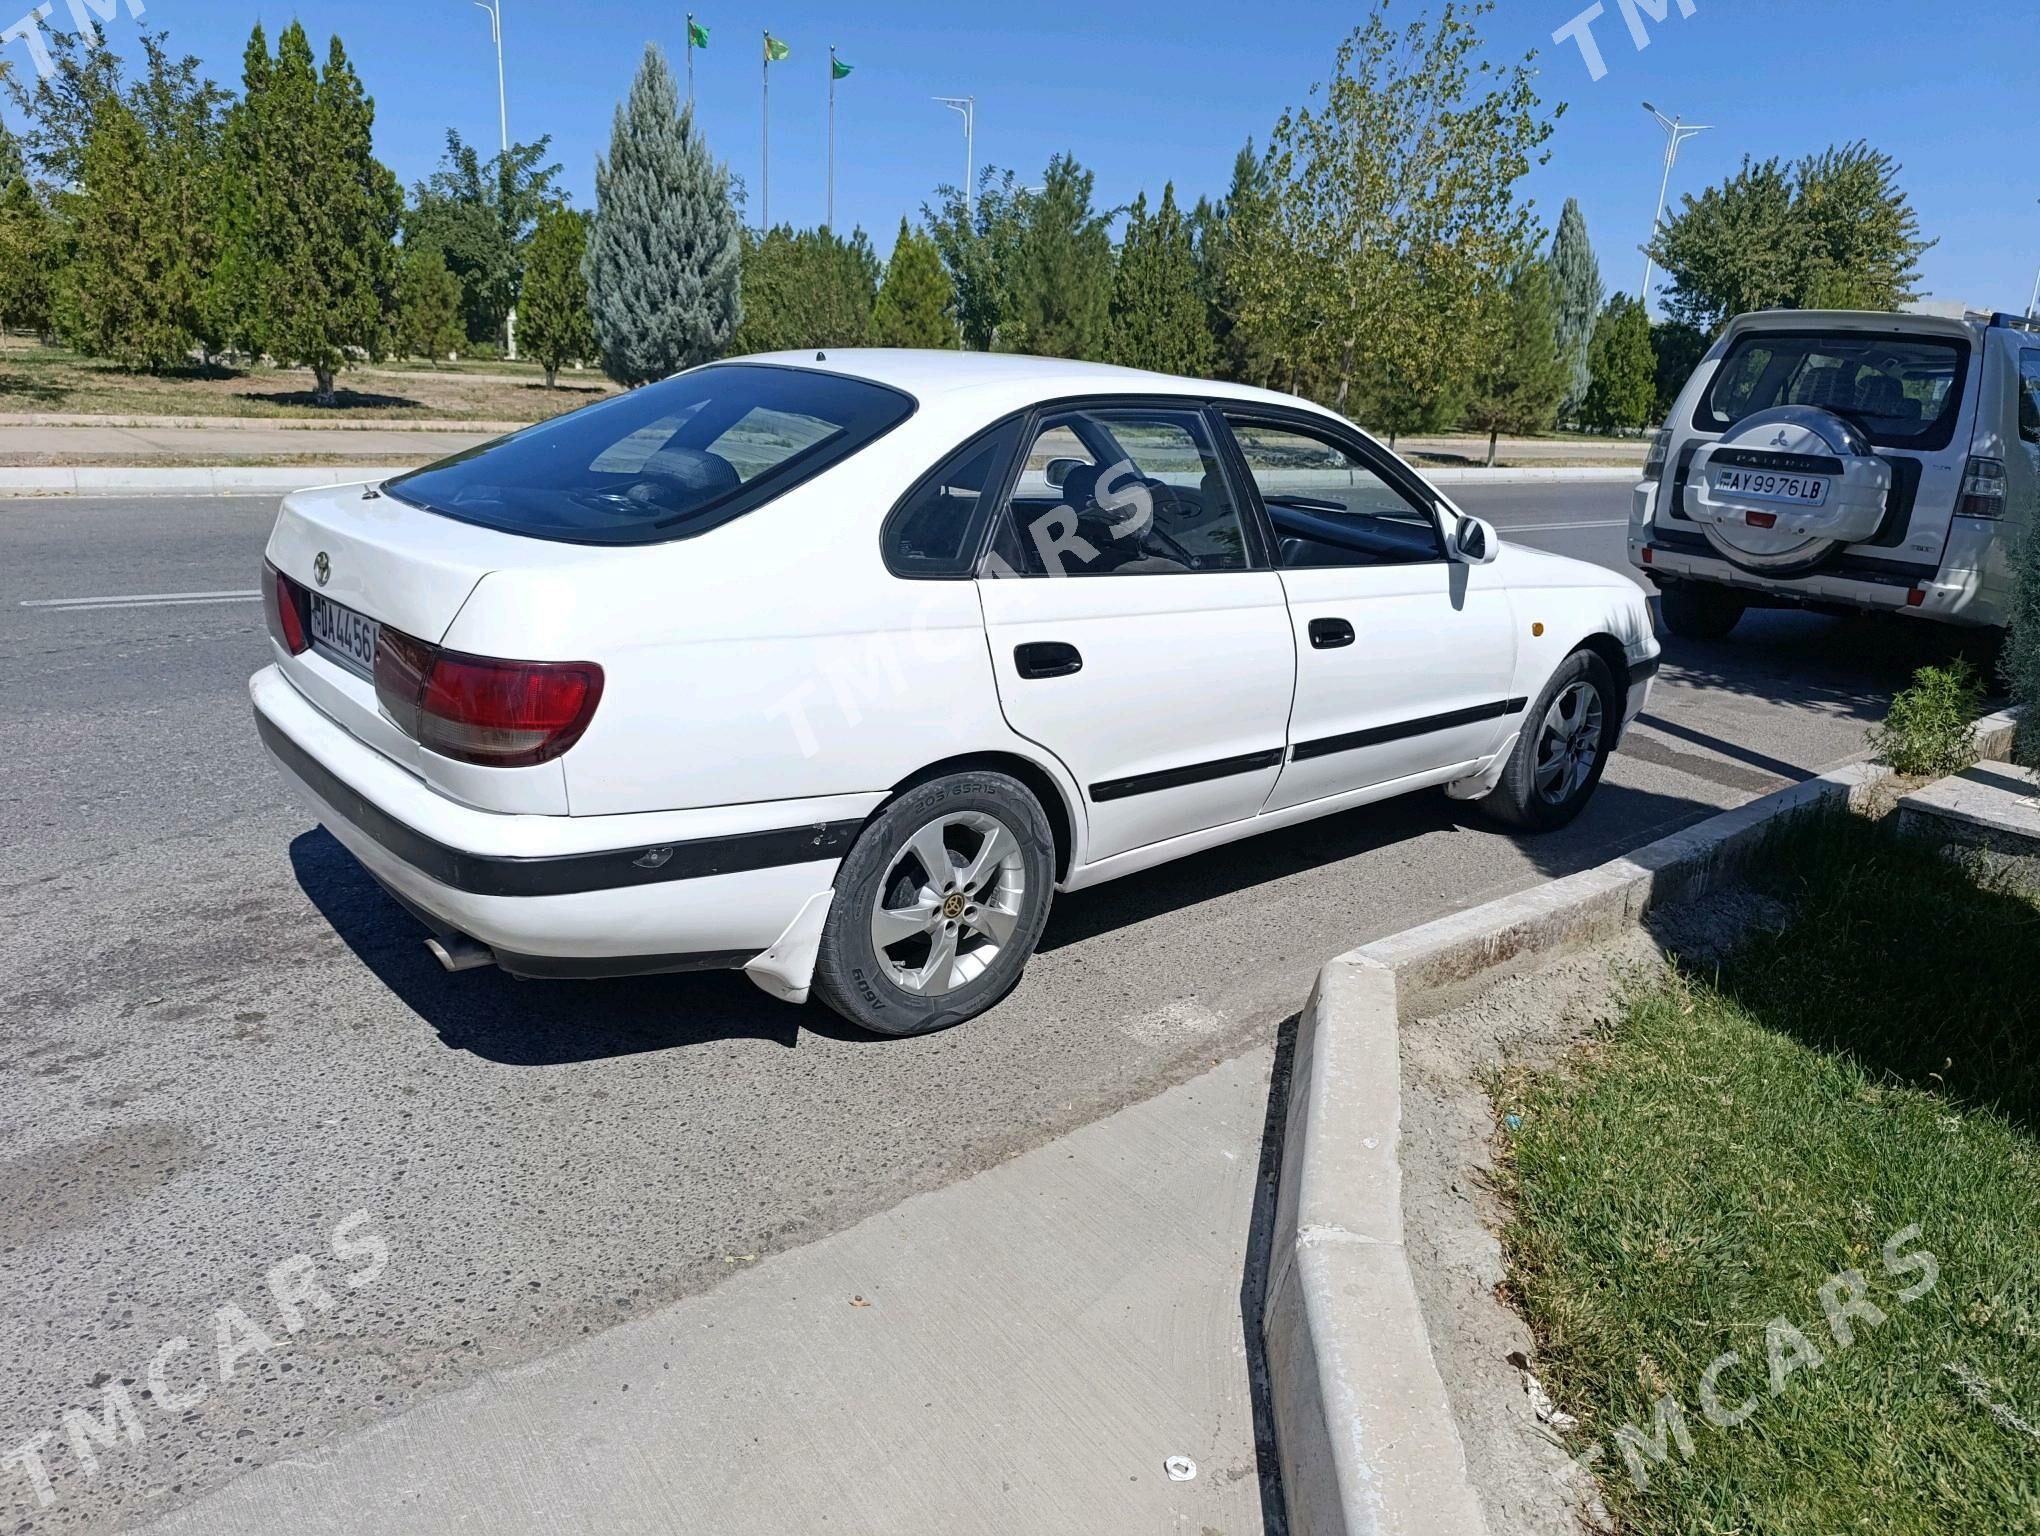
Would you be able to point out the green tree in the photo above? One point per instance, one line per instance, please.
(665, 256)
(553, 313)
(31, 251)
(1834, 231)
(807, 288)
(979, 240)
(1061, 282)
(914, 302)
(57, 109)
(142, 247)
(1576, 282)
(1394, 211)
(481, 214)
(1678, 348)
(1623, 394)
(1220, 230)
(428, 299)
(1159, 318)
(308, 215)
(1521, 376)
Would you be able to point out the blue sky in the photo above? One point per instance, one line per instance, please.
(1147, 92)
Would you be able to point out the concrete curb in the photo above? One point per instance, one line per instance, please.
(1364, 1426)
(227, 480)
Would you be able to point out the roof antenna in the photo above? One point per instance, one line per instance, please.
(821, 357)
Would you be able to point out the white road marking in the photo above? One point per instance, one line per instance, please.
(1603, 522)
(142, 600)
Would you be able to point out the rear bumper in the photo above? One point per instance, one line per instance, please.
(1962, 589)
(670, 890)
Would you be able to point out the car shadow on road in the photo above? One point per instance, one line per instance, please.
(1843, 667)
(538, 1023)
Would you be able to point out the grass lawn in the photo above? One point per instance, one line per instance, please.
(50, 380)
(1739, 1138)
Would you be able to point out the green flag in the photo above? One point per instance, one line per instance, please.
(775, 50)
(697, 34)
(838, 70)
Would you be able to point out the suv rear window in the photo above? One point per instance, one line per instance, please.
(668, 461)
(1903, 391)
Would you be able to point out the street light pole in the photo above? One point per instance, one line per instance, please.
(967, 106)
(2033, 304)
(1677, 131)
(495, 12)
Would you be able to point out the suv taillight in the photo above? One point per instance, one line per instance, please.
(1983, 489)
(1654, 461)
(285, 602)
(476, 709)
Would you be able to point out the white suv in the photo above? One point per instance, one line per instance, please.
(1845, 461)
(834, 669)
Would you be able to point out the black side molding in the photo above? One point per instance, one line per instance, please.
(1176, 778)
(563, 874)
(1402, 730)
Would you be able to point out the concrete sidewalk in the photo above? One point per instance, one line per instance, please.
(1017, 1353)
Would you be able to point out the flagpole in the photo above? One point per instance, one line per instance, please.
(832, 136)
(690, 58)
(765, 140)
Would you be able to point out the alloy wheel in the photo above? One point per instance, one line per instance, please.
(1569, 742)
(949, 904)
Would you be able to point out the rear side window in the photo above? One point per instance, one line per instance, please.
(1902, 391)
(668, 461)
(937, 528)
(2029, 396)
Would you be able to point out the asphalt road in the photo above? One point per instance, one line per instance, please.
(221, 1039)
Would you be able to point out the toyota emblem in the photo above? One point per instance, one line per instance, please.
(322, 568)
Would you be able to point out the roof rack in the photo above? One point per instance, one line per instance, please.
(2004, 322)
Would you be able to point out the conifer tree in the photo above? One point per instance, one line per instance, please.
(553, 318)
(308, 214)
(1520, 376)
(1159, 318)
(915, 302)
(428, 305)
(806, 288)
(1623, 393)
(664, 262)
(1576, 283)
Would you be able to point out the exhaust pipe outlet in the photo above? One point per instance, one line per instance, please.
(458, 952)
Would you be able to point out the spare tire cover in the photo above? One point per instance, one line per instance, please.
(1786, 490)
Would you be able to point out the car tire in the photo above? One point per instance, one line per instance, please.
(1570, 731)
(1694, 611)
(958, 937)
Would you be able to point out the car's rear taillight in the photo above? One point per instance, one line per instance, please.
(1654, 461)
(1983, 489)
(476, 709)
(285, 601)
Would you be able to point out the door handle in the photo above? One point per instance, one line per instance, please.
(1047, 658)
(1330, 634)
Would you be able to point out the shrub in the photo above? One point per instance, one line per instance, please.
(1931, 730)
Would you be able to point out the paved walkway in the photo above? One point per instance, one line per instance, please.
(1018, 1352)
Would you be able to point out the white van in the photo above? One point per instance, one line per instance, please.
(1845, 462)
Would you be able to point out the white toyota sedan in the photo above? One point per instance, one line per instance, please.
(835, 668)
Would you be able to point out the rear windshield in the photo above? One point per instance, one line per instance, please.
(664, 462)
(1903, 391)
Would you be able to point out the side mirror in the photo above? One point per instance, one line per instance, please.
(1474, 542)
(1059, 471)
